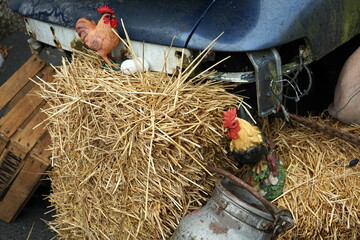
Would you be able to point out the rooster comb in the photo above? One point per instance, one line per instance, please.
(105, 9)
(229, 116)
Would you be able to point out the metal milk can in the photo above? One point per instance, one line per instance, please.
(235, 211)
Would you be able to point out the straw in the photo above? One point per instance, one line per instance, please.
(129, 150)
(320, 191)
(129, 153)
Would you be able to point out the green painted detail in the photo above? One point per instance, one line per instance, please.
(272, 191)
(351, 19)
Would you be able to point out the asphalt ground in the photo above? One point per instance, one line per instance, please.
(31, 222)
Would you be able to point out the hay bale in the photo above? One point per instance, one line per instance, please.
(129, 151)
(129, 155)
(321, 192)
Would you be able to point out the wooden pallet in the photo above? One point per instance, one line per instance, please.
(24, 154)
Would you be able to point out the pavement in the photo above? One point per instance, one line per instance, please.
(31, 222)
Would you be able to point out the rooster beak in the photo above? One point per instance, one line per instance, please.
(112, 16)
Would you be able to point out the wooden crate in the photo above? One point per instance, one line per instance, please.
(24, 154)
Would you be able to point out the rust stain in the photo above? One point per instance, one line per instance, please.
(186, 59)
(32, 35)
(218, 229)
(220, 209)
(56, 40)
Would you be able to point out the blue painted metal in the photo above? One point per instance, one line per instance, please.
(248, 25)
(158, 22)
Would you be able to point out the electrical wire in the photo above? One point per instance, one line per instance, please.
(347, 103)
(294, 85)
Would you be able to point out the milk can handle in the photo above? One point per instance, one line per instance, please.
(283, 218)
(247, 187)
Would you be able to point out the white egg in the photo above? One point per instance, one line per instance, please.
(131, 66)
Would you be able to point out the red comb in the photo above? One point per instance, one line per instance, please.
(105, 9)
(229, 116)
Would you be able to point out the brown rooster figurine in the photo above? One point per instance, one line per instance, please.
(99, 37)
(249, 146)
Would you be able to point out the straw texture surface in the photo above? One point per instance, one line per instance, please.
(322, 193)
(129, 156)
(129, 152)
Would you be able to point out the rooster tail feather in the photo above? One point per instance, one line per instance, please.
(83, 26)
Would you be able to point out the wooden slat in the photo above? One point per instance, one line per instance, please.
(19, 79)
(22, 110)
(41, 150)
(26, 182)
(14, 156)
(3, 141)
(11, 162)
(24, 153)
(26, 89)
(30, 134)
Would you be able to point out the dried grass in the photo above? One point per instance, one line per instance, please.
(129, 155)
(321, 192)
(129, 151)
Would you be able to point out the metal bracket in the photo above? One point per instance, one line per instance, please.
(268, 75)
(235, 77)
